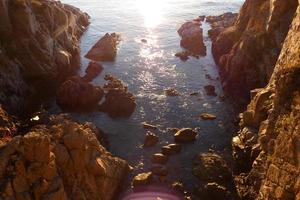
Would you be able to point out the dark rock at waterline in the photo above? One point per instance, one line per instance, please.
(118, 101)
(183, 55)
(149, 126)
(185, 135)
(144, 41)
(78, 95)
(159, 158)
(105, 49)
(150, 140)
(210, 90)
(171, 149)
(210, 167)
(200, 18)
(92, 71)
(213, 191)
(192, 38)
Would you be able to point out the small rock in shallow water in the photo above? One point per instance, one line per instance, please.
(183, 55)
(171, 149)
(208, 116)
(159, 170)
(172, 92)
(185, 135)
(149, 126)
(210, 90)
(150, 140)
(194, 94)
(144, 41)
(142, 179)
(159, 158)
(178, 186)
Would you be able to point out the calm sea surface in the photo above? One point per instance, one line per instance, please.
(149, 69)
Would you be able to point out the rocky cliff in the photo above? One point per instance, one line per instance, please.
(58, 160)
(39, 41)
(268, 143)
(247, 51)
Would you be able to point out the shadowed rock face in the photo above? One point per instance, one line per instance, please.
(38, 43)
(59, 160)
(247, 51)
(273, 118)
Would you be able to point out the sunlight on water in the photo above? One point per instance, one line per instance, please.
(151, 10)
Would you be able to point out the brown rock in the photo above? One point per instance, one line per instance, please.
(142, 179)
(192, 38)
(185, 135)
(210, 90)
(105, 49)
(150, 140)
(172, 92)
(77, 95)
(159, 170)
(92, 71)
(118, 101)
(183, 55)
(171, 149)
(208, 116)
(159, 158)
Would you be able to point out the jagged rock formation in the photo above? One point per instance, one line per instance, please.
(59, 160)
(271, 146)
(247, 51)
(38, 44)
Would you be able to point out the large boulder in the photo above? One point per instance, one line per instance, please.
(61, 160)
(78, 95)
(105, 49)
(185, 135)
(192, 38)
(118, 101)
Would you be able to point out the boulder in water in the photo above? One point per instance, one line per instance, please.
(185, 135)
(150, 140)
(78, 95)
(105, 49)
(192, 38)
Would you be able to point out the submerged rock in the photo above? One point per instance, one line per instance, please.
(183, 55)
(192, 38)
(172, 92)
(118, 101)
(142, 179)
(144, 40)
(92, 71)
(210, 90)
(150, 140)
(185, 135)
(105, 49)
(78, 95)
(159, 170)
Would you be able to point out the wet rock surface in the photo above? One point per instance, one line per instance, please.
(192, 38)
(171, 149)
(210, 90)
(142, 179)
(47, 161)
(105, 49)
(208, 116)
(150, 140)
(78, 95)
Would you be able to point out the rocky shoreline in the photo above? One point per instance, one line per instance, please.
(53, 157)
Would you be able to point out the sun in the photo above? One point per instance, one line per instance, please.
(151, 11)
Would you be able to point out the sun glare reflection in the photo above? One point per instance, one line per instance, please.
(152, 11)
